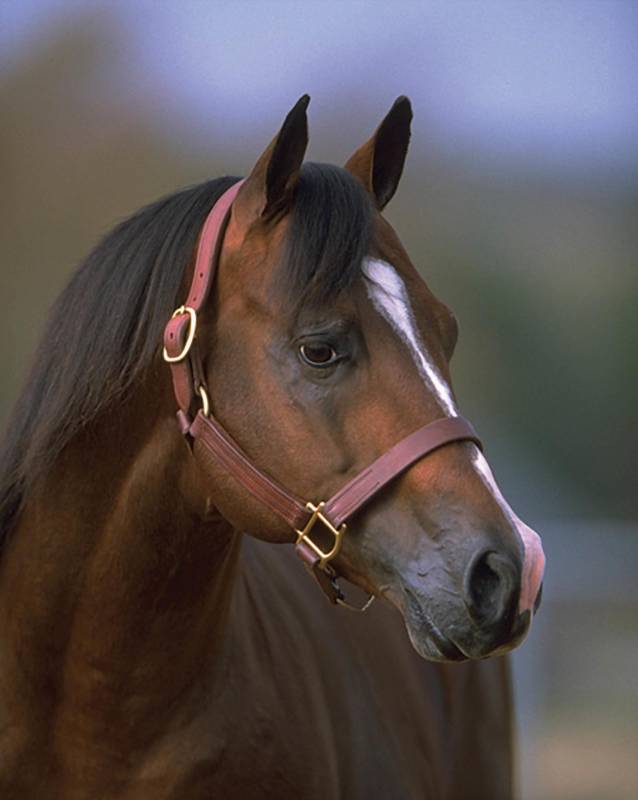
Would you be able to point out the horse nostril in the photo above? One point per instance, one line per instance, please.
(488, 586)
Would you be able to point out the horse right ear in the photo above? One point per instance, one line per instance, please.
(379, 162)
(269, 189)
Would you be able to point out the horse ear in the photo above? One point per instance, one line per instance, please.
(269, 188)
(379, 162)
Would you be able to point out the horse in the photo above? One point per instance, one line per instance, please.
(155, 642)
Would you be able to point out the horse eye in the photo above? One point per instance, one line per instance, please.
(318, 355)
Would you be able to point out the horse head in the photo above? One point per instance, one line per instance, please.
(323, 347)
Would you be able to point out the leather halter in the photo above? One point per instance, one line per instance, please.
(210, 442)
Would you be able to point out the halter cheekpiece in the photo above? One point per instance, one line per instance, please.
(209, 440)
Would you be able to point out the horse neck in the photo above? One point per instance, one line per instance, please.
(113, 586)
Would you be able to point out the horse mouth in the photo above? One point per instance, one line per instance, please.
(426, 638)
(431, 643)
(433, 646)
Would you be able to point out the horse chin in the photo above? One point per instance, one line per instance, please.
(434, 647)
(425, 636)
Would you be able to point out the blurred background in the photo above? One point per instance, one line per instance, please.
(518, 204)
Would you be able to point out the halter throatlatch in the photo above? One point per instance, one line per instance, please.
(209, 440)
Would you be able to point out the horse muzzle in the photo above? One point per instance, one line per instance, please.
(488, 614)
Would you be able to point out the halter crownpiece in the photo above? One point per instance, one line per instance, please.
(210, 441)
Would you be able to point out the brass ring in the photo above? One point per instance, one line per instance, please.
(204, 397)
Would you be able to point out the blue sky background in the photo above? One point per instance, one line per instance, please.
(551, 83)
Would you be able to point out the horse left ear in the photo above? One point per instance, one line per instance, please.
(269, 189)
(379, 162)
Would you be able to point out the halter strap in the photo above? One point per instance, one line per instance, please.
(211, 442)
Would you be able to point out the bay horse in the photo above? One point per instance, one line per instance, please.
(148, 647)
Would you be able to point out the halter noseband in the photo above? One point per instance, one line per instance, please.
(210, 442)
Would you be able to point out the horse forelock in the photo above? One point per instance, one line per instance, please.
(329, 236)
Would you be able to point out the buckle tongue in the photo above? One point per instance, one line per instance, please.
(304, 535)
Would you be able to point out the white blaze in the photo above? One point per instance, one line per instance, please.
(389, 296)
(534, 560)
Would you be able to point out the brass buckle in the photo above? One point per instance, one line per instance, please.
(192, 327)
(304, 535)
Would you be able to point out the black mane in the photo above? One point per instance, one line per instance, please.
(106, 327)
